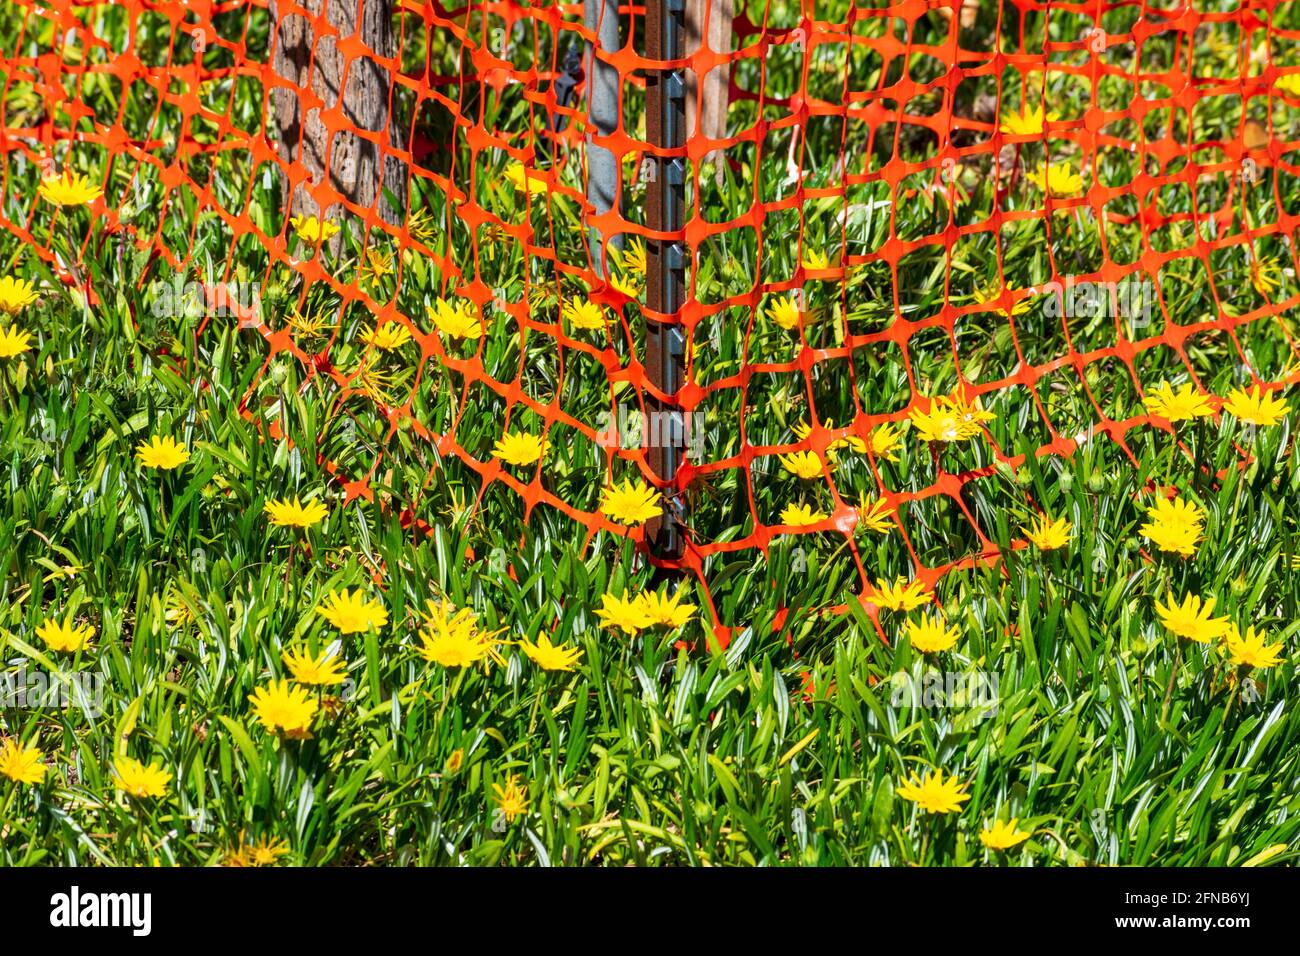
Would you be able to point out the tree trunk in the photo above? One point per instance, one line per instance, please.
(603, 105)
(712, 111)
(356, 147)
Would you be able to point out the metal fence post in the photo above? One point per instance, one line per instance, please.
(666, 263)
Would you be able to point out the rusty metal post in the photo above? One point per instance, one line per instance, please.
(666, 264)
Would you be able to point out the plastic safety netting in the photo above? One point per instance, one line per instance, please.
(1037, 211)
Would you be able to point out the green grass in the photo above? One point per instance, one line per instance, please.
(1111, 743)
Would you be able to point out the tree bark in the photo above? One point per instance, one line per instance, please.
(710, 103)
(358, 147)
(603, 105)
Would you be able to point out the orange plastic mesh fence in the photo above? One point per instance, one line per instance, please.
(897, 203)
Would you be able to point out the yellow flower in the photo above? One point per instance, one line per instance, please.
(519, 448)
(452, 638)
(633, 258)
(886, 440)
(165, 453)
(310, 324)
(1174, 526)
(800, 516)
(1048, 535)
(389, 336)
(665, 611)
(1058, 180)
(377, 264)
(265, 852)
(784, 311)
(136, 779)
(626, 614)
(583, 314)
(986, 294)
(443, 615)
(802, 430)
(1255, 407)
(550, 657)
(1003, 835)
(525, 179)
(934, 794)
(876, 516)
(1288, 83)
(802, 464)
(630, 286)
(423, 226)
(351, 613)
(1192, 620)
(294, 514)
(512, 798)
(942, 422)
(630, 503)
(457, 320)
(1266, 276)
(16, 294)
(816, 259)
(1028, 123)
(176, 612)
(21, 764)
(62, 636)
(284, 709)
(930, 635)
(312, 230)
(971, 414)
(455, 647)
(323, 670)
(69, 189)
(14, 342)
(902, 595)
(1177, 406)
(853, 443)
(1251, 651)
